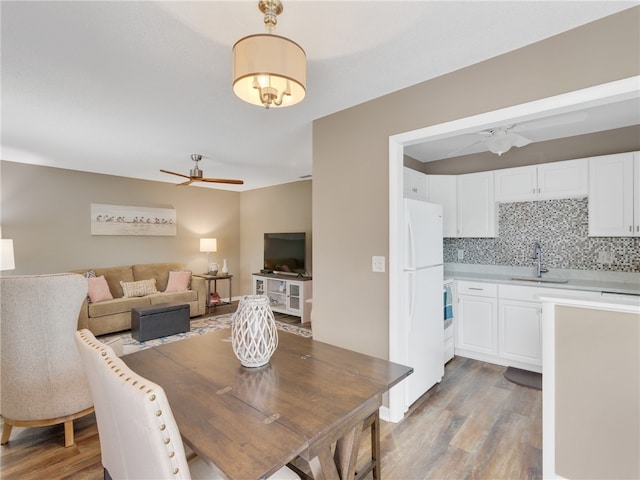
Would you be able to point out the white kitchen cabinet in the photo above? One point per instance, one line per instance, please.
(285, 296)
(614, 195)
(443, 191)
(502, 324)
(565, 179)
(520, 333)
(476, 320)
(415, 184)
(520, 325)
(476, 205)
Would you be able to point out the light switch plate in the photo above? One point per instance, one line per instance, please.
(377, 264)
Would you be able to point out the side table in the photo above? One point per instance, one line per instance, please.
(215, 279)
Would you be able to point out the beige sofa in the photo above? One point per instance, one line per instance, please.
(110, 316)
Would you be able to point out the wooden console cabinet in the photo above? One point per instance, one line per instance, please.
(287, 294)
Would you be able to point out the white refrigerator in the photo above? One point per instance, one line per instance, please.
(423, 281)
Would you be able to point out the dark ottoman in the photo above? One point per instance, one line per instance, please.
(159, 320)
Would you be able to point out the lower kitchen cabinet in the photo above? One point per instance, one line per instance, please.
(501, 324)
(476, 321)
(520, 333)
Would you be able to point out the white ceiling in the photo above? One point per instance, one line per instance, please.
(127, 88)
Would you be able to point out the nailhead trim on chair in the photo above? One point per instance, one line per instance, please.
(152, 398)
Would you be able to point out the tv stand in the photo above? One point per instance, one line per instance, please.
(287, 294)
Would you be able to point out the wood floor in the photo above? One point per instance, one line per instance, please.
(473, 425)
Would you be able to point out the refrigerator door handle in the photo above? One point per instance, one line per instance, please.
(409, 261)
(412, 297)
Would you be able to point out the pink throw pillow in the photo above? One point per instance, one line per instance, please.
(99, 289)
(178, 281)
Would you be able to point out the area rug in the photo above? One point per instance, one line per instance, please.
(524, 378)
(123, 343)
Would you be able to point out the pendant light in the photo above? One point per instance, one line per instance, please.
(269, 70)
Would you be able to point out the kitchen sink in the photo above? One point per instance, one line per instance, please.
(539, 280)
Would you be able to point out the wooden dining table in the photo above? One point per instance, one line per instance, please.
(311, 401)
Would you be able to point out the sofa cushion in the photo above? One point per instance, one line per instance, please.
(179, 281)
(117, 305)
(114, 275)
(98, 289)
(159, 271)
(139, 288)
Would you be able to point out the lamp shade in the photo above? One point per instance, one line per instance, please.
(208, 245)
(6, 255)
(269, 70)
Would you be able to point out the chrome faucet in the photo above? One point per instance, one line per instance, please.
(537, 256)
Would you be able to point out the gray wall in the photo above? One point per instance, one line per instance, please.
(46, 212)
(351, 154)
(285, 208)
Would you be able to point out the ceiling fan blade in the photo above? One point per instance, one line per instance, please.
(520, 141)
(549, 122)
(222, 180)
(466, 147)
(184, 184)
(174, 173)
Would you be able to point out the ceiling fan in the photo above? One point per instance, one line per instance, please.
(195, 175)
(499, 140)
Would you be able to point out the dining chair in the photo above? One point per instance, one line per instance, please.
(139, 437)
(42, 381)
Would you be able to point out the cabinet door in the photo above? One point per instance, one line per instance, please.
(611, 194)
(519, 332)
(415, 184)
(563, 179)
(476, 205)
(442, 190)
(515, 184)
(476, 324)
(258, 286)
(294, 298)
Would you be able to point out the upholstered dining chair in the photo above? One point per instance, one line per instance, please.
(42, 381)
(139, 437)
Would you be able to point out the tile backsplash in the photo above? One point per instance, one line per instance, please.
(561, 227)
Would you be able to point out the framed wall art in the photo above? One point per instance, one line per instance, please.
(125, 220)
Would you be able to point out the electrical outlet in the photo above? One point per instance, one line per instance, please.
(460, 254)
(377, 264)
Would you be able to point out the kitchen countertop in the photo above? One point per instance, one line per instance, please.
(622, 303)
(625, 283)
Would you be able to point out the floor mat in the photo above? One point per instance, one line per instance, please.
(524, 378)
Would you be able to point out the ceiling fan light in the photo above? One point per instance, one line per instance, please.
(266, 68)
(501, 144)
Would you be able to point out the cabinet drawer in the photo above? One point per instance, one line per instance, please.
(526, 294)
(480, 289)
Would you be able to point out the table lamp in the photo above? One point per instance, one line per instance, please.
(7, 261)
(209, 245)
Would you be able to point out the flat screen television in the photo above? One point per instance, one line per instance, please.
(285, 252)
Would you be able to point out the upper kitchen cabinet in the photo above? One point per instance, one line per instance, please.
(614, 195)
(415, 185)
(542, 182)
(476, 205)
(443, 191)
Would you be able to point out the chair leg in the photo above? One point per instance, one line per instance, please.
(68, 434)
(6, 433)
